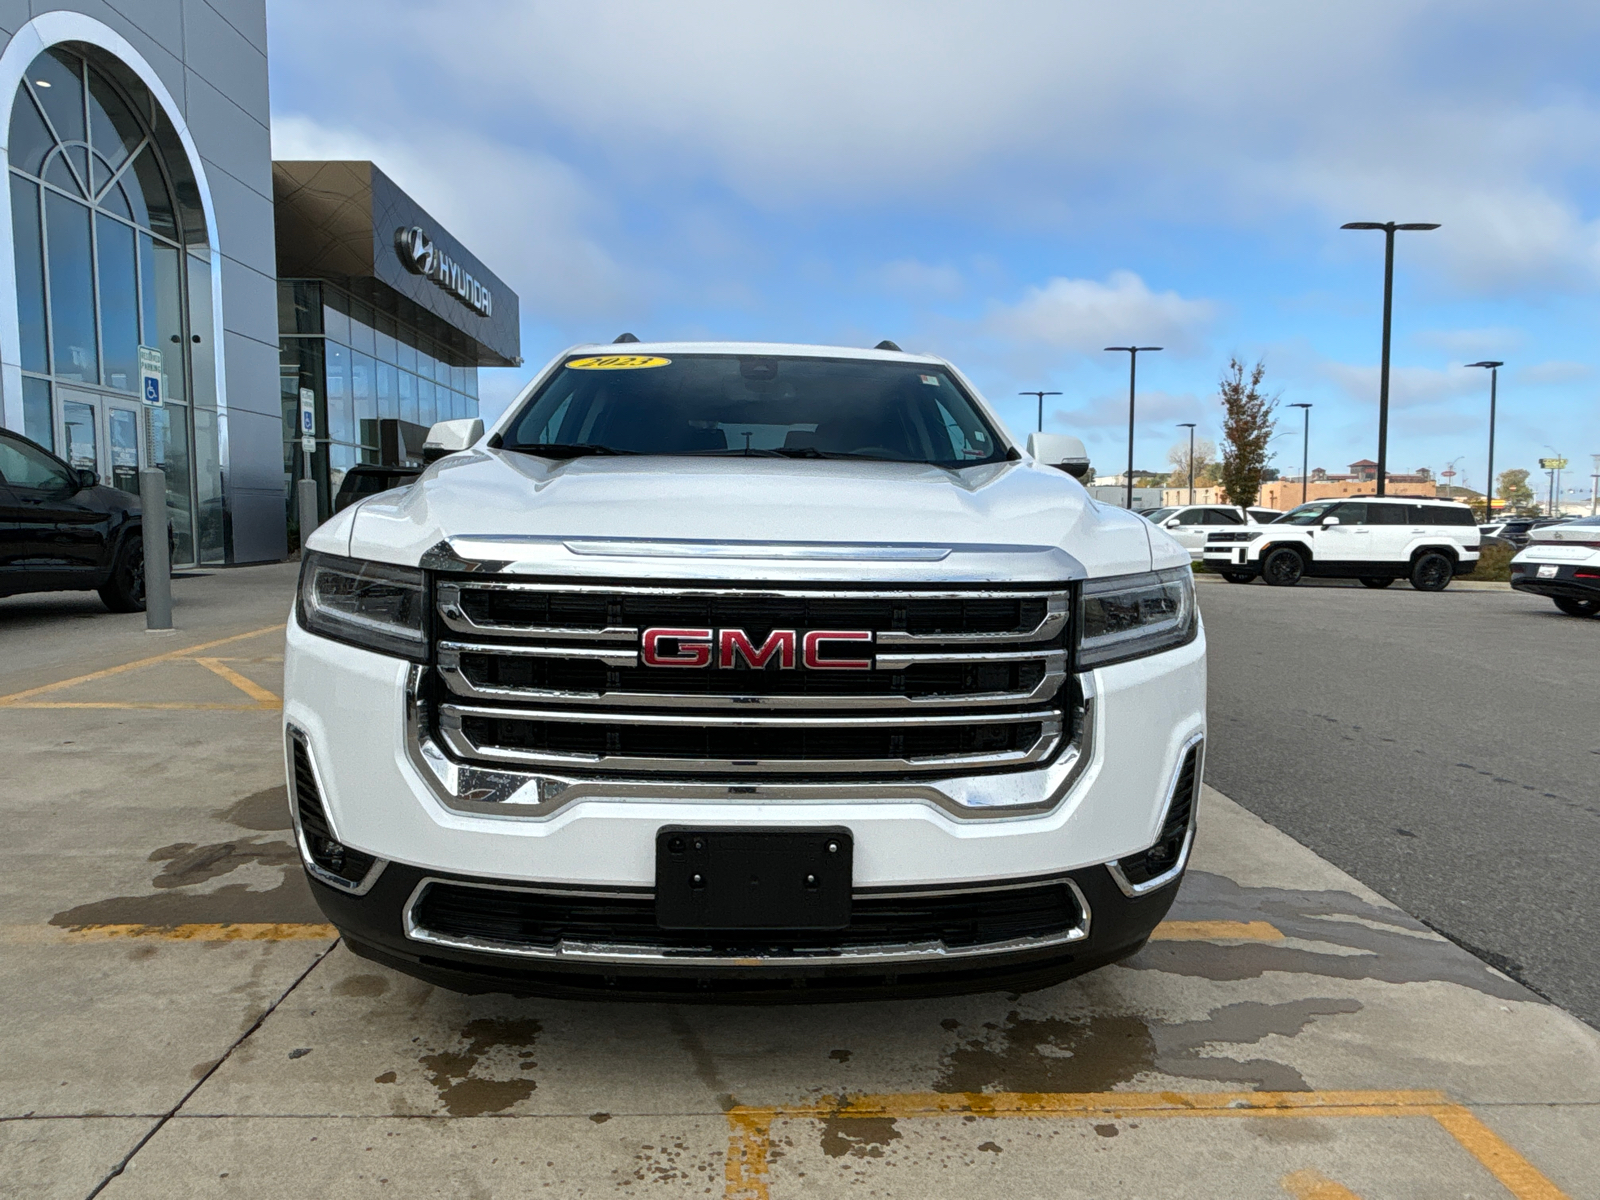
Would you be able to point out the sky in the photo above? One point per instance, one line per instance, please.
(1016, 185)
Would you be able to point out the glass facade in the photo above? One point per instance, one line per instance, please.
(359, 368)
(112, 258)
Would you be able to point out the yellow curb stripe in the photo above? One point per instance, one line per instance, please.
(222, 932)
(143, 662)
(1516, 1173)
(249, 687)
(1216, 931)
(1314, 1185)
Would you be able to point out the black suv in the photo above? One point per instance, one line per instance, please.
(60, 530)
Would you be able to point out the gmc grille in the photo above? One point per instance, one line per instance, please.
(551, 676)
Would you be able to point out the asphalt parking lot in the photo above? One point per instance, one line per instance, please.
(176, 1020)
(1442, 747)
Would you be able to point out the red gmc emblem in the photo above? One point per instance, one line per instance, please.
(662, 647)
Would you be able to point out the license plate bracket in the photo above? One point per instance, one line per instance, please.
(1548, 572)
(753, 879)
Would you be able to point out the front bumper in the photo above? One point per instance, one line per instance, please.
(383, 925)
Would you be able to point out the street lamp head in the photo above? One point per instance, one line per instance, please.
(1419, 225)
(1302, 404)
(1486, 363)
(1185, 424)
(1389, 225)
(1363, 225)
(1134, 349)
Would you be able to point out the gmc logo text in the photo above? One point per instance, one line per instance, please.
(692, 648)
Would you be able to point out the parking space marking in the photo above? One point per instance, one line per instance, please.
(1216, 931)
(241, 932)
(750, 1126)
(1314, 1185)
(263, 699)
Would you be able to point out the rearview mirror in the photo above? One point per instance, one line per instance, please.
(86, 478)
(1172, 523)
(1060, 450)
(1327, 521)
(447, 437)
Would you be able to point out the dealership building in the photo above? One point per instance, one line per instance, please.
(173, 297)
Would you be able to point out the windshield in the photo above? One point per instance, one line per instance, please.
(1160, 514)
(1306, 514)
(766, 406)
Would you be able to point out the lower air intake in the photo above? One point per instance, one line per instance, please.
(1163, 856)
(331, 856)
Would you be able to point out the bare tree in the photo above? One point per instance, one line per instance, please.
(1205, 464)
(1246, 429)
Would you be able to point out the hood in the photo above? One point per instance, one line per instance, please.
(682, 518)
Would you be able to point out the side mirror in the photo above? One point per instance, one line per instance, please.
(86, 478)
(1329, 521)
(447, 437)
(1060, 450)
(1172, 523)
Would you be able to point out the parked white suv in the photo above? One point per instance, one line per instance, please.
(1376, 539)
(759, 668)
(1190, 523)
(1562, 562)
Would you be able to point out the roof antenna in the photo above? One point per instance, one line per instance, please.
(886, 344)
(623, 337)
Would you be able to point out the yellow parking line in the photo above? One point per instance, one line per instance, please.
(1213, 931)
(242, 932)
(14, 697)
(1519, 1176)
(750, 1127)
(249, 687)
(1313, 1185)
(152, 704)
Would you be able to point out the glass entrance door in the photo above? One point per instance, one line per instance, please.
(122, 444)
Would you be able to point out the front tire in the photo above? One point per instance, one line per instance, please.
(1574, 607)
(1283, 567)
(1432, 572)
(1376, 581)
(123, 591)
(1237, 576)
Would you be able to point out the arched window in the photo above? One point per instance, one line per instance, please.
(105, 211)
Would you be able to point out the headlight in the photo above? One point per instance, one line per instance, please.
(1130, 616)
(368, 604)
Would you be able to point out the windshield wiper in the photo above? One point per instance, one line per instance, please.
(566, 449)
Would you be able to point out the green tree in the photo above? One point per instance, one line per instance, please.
(1514, 489)
(1247, 426)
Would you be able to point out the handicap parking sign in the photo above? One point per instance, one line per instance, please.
(150, 375)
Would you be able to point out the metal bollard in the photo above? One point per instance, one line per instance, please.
(306, 504)
(157, 561)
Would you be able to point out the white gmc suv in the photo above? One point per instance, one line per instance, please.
(743, 670)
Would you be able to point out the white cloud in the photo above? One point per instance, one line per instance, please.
(917, 281)
(1553, 372)
(526, 215)
(1085, 316)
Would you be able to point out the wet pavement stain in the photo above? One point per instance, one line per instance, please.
(187, 864)
(863, 1137)
(1390, 946)
(266, 811)
(465, 1094)
(361, 986)
(1100, 1052)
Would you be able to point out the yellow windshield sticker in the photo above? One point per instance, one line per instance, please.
(617, 362)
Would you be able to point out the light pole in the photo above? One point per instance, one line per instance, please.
(1133, 372)
(1594, 487)
(1494, 382)
(1189, 425)
(1305, 450)
(1041, 396)
(1388, 228)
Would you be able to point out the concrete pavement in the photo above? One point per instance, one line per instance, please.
(167, 986)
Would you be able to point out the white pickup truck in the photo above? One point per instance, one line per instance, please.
(745, 669)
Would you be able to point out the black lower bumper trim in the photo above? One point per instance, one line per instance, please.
(372, 926)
